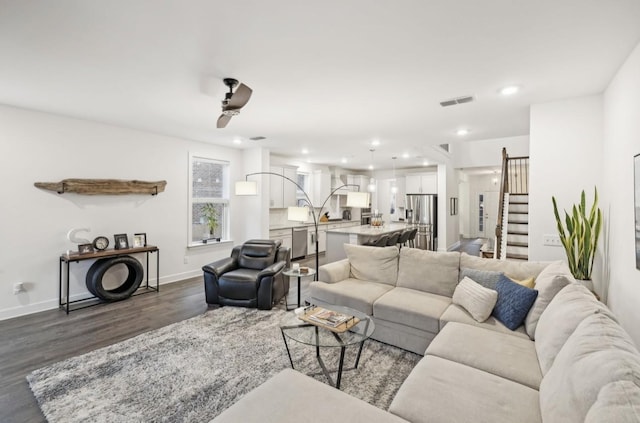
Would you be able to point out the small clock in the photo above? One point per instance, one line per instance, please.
(101, 243)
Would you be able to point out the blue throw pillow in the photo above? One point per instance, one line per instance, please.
(514, 302)
(486, 278)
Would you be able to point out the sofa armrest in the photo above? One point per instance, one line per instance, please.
(272, 270)
(334, 272)
(221, 266)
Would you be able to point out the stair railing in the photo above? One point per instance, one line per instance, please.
(515, 180)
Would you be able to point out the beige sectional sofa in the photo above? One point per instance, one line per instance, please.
(409, 293)
(569, 362)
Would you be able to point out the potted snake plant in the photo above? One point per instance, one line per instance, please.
(579, 235)
(211, 215)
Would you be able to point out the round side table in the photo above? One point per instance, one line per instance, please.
(296, 273)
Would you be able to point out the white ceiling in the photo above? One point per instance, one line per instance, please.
(329, 75)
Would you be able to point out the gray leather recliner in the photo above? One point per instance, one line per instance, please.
(251, 277)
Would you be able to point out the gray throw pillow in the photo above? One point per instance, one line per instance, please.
(486, 278)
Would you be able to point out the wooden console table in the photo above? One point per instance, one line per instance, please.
(67, 259)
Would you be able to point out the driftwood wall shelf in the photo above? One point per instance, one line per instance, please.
(103, 186)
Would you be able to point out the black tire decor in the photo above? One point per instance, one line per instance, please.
(126, 289)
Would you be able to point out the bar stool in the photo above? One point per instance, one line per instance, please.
(382, 241)
(412, 237)
(404, 237)
(393, 239)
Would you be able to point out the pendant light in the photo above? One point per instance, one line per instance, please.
(394, 187)
(372, 182)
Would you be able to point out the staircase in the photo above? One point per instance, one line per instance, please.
(518, 227)
(512, 231)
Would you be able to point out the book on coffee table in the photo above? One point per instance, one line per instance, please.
(332, 320)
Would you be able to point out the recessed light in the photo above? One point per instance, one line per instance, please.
(405, 156)
(375, 143)
(509, 90)
(462, 132)
(370, 167)
(237, 141)
(425, 163)
(343, 160)
(305, 151)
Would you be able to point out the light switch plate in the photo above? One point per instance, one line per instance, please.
(552, 240)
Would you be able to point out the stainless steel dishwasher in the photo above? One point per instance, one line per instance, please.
(299, 242)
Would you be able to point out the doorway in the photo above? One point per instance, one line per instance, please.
(487, 213)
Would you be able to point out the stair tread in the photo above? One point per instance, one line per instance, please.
(518, 212)
(517, 223)
(517, 233)
(517, 244)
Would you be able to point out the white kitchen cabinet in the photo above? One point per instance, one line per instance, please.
(284, 235)
(360, 180)
(282, 193)
(322, 240)
(321, 187)
(426, 183)
(311, 240)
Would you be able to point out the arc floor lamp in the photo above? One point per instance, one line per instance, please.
(300, 214)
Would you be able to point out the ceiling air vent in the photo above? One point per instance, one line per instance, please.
(458, 100)
(445, 147)
(259, 138)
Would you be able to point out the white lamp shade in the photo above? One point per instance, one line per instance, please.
(298, 214)
(246, 188)
(358, 199)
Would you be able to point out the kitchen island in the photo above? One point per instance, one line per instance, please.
(357, 235)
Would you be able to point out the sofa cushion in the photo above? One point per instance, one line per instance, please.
(597, 353)
(617, 402)
(514, 302)
(549, 282)
(443, 391)
(429, 271)
(475, 298)
(420, 310)
(503, 355)
(561, 317)
(353, 293)
(289, 396)
(528, 282)
(518, 269)
(455, 313)
(486, 278)
(373, 264)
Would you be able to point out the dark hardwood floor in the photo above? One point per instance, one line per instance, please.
(30, 342)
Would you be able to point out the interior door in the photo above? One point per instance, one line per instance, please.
(489, 214)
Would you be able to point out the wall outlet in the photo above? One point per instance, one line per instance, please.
(552, 240)
(186, 260)
(17, 288)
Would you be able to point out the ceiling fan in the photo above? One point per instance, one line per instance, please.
(233, 102)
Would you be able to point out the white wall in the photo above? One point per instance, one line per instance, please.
(448, 226)
(470, 154)
(565, 158)
(33, 222)
(621, 143)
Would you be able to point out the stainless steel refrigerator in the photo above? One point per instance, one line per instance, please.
(422, 211)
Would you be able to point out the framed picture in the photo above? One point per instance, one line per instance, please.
(121, 241)
(139, 240)
(636, 185)
(85, 249)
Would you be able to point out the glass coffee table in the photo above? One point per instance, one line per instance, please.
(295, 329)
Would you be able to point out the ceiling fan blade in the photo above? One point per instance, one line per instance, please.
(223, 120)
(240, 97)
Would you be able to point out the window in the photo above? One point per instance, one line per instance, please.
(208, 200)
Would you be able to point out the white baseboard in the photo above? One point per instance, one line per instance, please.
(454, 246)
(52, 304)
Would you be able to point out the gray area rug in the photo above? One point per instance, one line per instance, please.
(192, 370)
